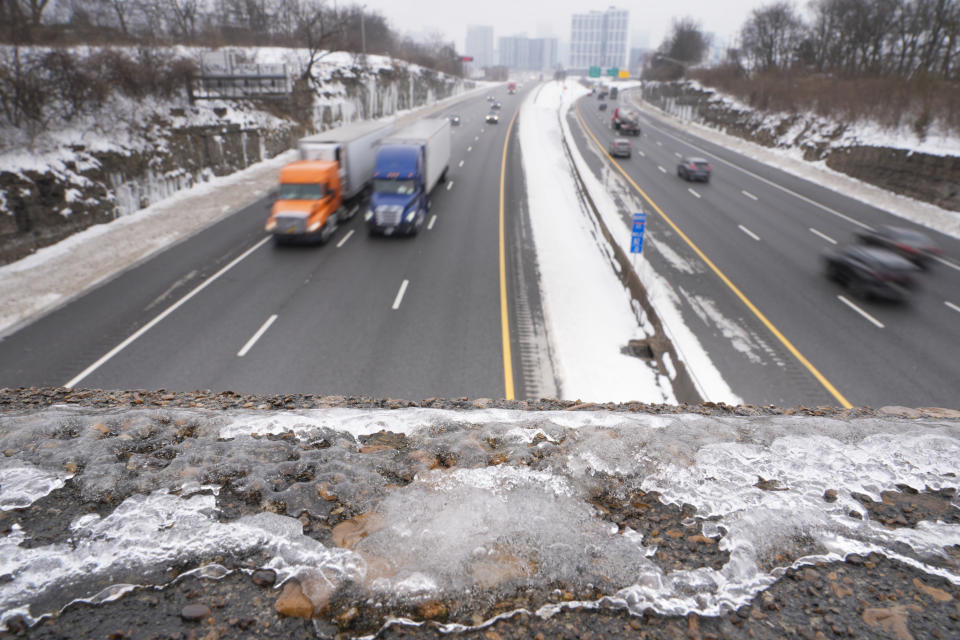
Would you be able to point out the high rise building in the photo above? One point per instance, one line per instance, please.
(599, 38)
(480, 45)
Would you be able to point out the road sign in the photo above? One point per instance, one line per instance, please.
(624, 74)
(594, 72)
(613, 71)
(636, 236)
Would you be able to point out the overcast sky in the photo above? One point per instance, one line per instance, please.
(649, 20)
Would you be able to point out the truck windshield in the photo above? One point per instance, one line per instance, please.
(300, 192)
(402, 187)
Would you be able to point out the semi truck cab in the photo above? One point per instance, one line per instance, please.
(309, 202)
(399, 201)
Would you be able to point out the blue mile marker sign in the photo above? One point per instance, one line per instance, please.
(636, 237)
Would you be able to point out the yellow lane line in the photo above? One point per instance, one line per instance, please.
(504, 315)
(723, 278)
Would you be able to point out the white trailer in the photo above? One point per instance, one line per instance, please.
(433, 134)
(353, 147)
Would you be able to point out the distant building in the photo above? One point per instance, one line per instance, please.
(599, 38)
(544, 54)
(528, 54)
(480, 45)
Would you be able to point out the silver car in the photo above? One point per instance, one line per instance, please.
(621, 148)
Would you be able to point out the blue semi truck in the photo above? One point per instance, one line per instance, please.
(408, 166)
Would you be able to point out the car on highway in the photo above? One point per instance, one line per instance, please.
(621, 147)
(694, 169)
(496, 105)
(454, 119)
(493, 117)
(603, 106)
(913, 245)
(491, 99)
(869, 272)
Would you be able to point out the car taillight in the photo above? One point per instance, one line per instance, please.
(693, 166)
(906, 247)
(709, 168)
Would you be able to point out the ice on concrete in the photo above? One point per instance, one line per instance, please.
(512, 507)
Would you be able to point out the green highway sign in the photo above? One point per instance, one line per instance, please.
(594, 72)
(613, 72)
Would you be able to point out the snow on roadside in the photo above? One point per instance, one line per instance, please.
(588, 312)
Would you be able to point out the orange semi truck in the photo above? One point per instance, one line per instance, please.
(322, 189)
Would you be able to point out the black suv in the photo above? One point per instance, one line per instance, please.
(870, 271)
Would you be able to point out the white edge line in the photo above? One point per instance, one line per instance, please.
(461, 164)
(449, 185)
(253, 339)
(863, 313)
(690, 189)
(661, 168)
(749, 195)
(433, 219)
(822, 235)
(344, 239)
(952, 306)
(749, 233)
(469, 148)
(946, 262)
(179, 303)
(399, 298)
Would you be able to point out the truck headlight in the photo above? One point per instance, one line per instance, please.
(410, 216)
(313, 226)
(271, 225)
(368, 215)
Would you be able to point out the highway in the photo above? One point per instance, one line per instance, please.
(742, 253)
(384, 317)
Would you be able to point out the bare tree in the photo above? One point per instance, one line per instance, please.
(686, 43)
(772, 35)
(34, 9)
(315, 27)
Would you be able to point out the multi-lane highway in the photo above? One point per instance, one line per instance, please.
(385, 317)
(743, 255)
(455, 311)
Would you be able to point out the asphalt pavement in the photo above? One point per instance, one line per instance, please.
(388, 317)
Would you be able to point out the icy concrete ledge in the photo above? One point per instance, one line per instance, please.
(222, 515)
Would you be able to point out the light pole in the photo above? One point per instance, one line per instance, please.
(363, 33)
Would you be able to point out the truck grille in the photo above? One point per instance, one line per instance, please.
(388, 216)
(293, 223)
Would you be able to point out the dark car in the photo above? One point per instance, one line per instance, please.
(603, 106)
(493, 117)
(620, 147)
(694, 169)
(496, 105)
(454, 119)
(913, 245)
(870, 271)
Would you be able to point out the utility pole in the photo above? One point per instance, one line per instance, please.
(363, 33)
